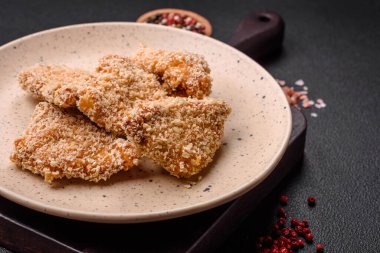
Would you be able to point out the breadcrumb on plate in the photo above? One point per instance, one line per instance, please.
(179, 134)
(61, 143)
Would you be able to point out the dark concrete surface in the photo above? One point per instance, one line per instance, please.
(334, 46)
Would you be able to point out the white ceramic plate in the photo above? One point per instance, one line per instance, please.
(256, 133)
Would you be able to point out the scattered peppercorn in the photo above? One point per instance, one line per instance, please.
(294, 245)
(281, 222)
(309, 237)
(286, 239)
(284, 200)
(306, 231)
(281, 212)
(320, 247)
(311, 201)
(294, 222)
(293, 233)
(299, 230)
(285, 232)
(300, 243)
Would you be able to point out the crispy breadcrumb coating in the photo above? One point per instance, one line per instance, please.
(180, 134)
(132, 98)
(104, 97)
(55, 84)
(181, 73)
(61, 144)
(135, 82)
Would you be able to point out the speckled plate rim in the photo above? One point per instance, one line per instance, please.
(162, 215)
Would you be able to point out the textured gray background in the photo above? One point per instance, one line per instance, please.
(335, 47)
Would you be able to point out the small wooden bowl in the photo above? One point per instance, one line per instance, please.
(197, 17)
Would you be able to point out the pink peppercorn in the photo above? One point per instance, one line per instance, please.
(301, 223)
(283, 250)
(299, 230)
(311, 201)
(294, 244)
(300, 243)
(293, 234)
(281, 222)
(309, 237)
(281, 242)
(306, 231)
(284, 200)
(320, 247)
(294, 222)
(285, 232)
(281, 212)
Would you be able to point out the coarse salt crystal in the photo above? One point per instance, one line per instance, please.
(299, 82)
(305, 88)
(281, 82)
(313, 114)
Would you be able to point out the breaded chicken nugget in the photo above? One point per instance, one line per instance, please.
(137, 84)
(181, 73)
(104, 97)
(56, 84)
(180, 134)
(61, 144)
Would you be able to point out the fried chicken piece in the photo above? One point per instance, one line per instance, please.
(61, 143)
(181, 73)
(56, 84)
(104, 97)
(180, 134)
(135, 82)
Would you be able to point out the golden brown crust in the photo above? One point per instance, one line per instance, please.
(61, 144)
(180, 134)
(105, 97)
(125, 97)
(181, 73)
(56, 84)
